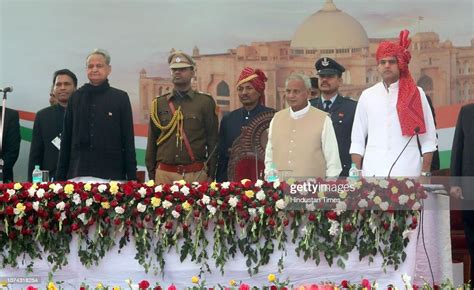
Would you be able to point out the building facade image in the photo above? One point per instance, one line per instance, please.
(444, 71)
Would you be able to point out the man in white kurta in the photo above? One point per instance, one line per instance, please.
(301, 138)
(376, 118)
(391, 113)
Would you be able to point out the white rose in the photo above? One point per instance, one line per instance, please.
(252, 212)
(36, 205)
(175, 214)
(276, 184)
(89, 201)
(225, 185)
(334, 229)
(60, 206)
(416, 206)
(406, 233)
(142, 192)
(212, 210)
(383, 183)
(402, 199)
(11, 192)
(371, 195)
(233, 201)
(363, 203)
(310, 207)
(76, 199)
(185, 190)
(102, 188)
(409, 183)
(158, 188)
(205, 199)
(141, 207)
(259, 183)
(57, 188)
(261, 210)
(82, 217)
(383, 205)
(31, 191)
(261, 195)
(174, 188)
(119, 210)
(166, 204)
(280, 204)
(40, 193)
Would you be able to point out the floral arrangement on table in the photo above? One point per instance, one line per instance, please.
(39, 220)
(275, 284)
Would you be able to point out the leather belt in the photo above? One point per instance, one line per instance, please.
(181, 169)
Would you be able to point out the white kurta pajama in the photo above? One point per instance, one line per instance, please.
(376, 117)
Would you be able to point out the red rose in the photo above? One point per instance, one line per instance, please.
(268, 211)
(286, 222)
(74, 227)
(113, 203)
(332, 215)
(9, 210)
(345, 284)
(386, 225)
(436, 287)
(172, 287)
(244, 287)
(365, 283)
(97, 197)
(128, 189)
(159, 211)
(348, 227)
(157, 288)
(273, 287)
(45, 225)
(144, 284)
(256, 219)
(311, 217)
(271, 222)
(117, 221)
(11, 235)
(169, 225)
(30, 219)
(34, 288)
(101, 211)
(20, 222)
(178, 208)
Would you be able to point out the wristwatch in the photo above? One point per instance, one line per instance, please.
(427, 174)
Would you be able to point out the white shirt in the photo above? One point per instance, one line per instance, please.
(328, 140)
(376, 117)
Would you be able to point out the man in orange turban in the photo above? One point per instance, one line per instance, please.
(251, 91)
(389, 114)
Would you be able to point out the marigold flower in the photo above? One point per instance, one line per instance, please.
(155, 201)
(249, 193)
(271, 277)
(87, 187)
(51, 286)
(150, 183)
(69, 188)
(187, 206)
(195, 279)
(17, 186)
(99, 286)
(214, 186)
(232, 282)
(113, 187)
(394, 190)
(105, 204)
(20, 208)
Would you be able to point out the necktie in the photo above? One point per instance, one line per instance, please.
(327, 103)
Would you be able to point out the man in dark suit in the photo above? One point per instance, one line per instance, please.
(462, 170)
(340, 109)
(45, 143)
(97, 142)
(10, 143)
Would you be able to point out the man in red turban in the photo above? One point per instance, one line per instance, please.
(251, 91)
(390, 113)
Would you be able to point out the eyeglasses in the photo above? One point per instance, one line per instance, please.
(389, 61)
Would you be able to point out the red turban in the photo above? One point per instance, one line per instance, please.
(257, 78)
(409, 108)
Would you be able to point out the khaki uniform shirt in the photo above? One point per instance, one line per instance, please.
(200, 126)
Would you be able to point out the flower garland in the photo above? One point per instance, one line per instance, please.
(39, 220)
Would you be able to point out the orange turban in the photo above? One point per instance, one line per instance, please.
(257, 78)
(409, 108)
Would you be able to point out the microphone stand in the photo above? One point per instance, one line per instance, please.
(2, 125)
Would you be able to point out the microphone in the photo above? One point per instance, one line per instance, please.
(415, 131)
(6, 90)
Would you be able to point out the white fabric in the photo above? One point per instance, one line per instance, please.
(91, 179)
(328, 140)
(116, 267)
(376, 117)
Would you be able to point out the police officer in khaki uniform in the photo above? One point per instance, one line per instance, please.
(183, 130)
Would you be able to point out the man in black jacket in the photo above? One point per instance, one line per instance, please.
(45, 143)
(340, 109)
(10, 143)
(462, 170)
(97, 142)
